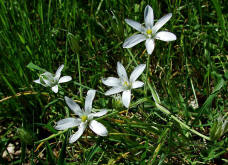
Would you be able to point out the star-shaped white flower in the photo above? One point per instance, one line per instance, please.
(123, 84)
(48, 79)
(85, 118)
(150, 32)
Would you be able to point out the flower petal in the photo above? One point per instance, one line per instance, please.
(78, 134)
(133, 40)
(67, 123)
(126, 98)
(89, 100)
(149, 16)
(98, 128)
(46, 83)
(165, 36)
(150, 45)
(121, 71)
(47, 75)
(161, 22)
(55, 88)
(65, 79)
(135, 25)
(73, 106)
(114, 90)
(58, 72)
(98, 114)
(137, 84)
(37, 81)
(111, 81)
(47, 79)
(137, 72)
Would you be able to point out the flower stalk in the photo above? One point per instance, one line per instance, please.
(167, 112)
(79, 75)
(147, 73)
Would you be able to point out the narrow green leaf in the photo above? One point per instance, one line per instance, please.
(139, 101)
(33, 66)
(28, 49)
(209, 100)
(62, 156)
(73, 40)
(92, 152)
(161, 141)
(21, 38)
(221, 19)
(9, 85)
(50, 155)
(23, 151)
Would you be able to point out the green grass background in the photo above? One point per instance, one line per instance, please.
(38, 32)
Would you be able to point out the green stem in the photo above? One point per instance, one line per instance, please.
(111, 114)
(86, 87)
(125, 134)
(154, 93)
(79, 73)
(147, 72)
(51, 137)
(161, 142)
(193, 89)
(165, 110)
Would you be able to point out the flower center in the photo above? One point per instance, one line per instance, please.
(125, 83)
(47, 79)
(84, 118)
(149, 32)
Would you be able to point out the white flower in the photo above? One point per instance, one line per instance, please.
(86, 117)
(150, 32)
(123, 84)
(48, 79)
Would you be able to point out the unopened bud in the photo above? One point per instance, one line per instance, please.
(219, 128)
(117, 101)
(25, 136)
(73, 40)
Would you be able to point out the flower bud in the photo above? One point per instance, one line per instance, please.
(117, 101)
(73, 40)
(219, 128)
(25, 136)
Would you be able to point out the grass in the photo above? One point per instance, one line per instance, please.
(191, 69)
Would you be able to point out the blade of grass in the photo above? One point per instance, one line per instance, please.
(62, 156)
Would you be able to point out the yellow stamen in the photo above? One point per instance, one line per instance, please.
(149, 31)
(84, 118)
(125, 83)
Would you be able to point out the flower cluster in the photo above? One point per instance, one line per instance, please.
(122, 84)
